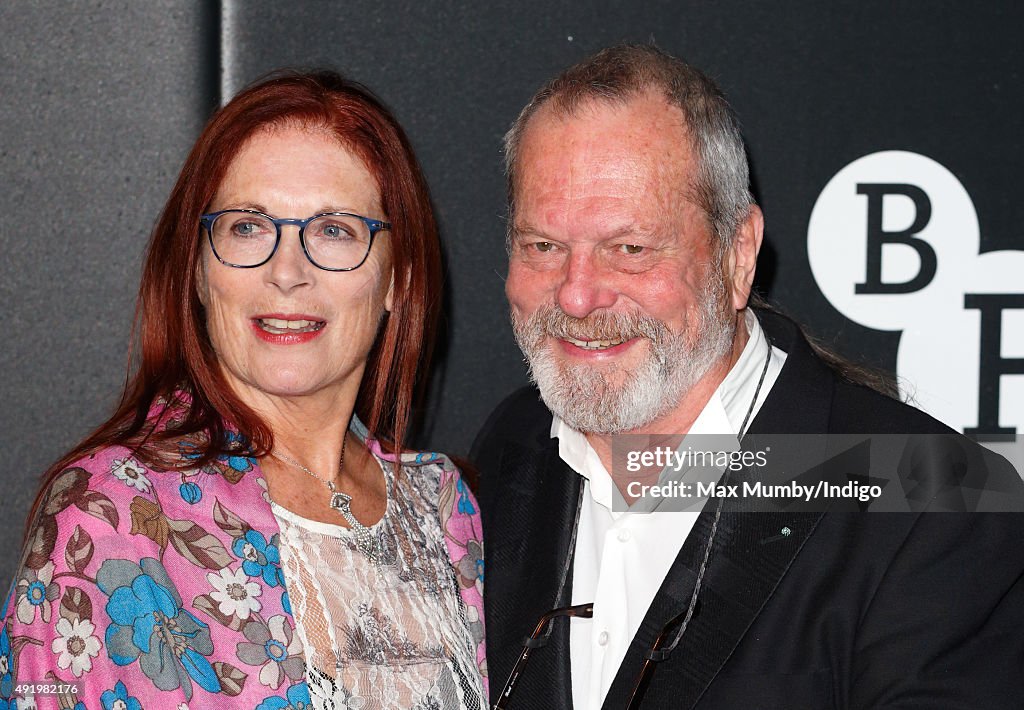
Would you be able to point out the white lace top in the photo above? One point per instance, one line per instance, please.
(391, 634)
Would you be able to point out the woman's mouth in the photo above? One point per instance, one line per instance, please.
(283, 329)
(283, 326)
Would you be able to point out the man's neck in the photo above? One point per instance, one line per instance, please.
(679, 419)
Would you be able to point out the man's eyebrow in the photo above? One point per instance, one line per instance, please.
(525, 229)
(631, 230)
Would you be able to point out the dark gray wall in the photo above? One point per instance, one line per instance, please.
(101, 102)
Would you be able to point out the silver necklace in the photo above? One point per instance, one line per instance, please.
(341, 502)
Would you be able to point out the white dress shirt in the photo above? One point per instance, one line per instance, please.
(622, 557)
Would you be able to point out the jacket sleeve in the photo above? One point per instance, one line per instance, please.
(943, 628)
(460, 521)
(57, 637)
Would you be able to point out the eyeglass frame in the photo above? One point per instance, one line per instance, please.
(374, 225)
(542, 634)
(538, 639)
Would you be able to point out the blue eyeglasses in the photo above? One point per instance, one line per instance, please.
(332, 241)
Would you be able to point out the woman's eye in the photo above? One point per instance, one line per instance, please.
(631, 248)
(245, 229)
(335, 231)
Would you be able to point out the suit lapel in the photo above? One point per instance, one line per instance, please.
(751, 551)
(749, 557)
(538, 506)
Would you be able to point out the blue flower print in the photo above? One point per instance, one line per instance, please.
(233, 442)
(274, 646)
(260, 558)
(110, 699)
(239, 463)
(471, 567)
(189, 450)
(286, 603)
(190, 492)
(298, 699)
(237, 442)
(6, 664)
(466, 506)
(149, 625)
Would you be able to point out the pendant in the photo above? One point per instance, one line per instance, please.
(365, 541)
(341, 503)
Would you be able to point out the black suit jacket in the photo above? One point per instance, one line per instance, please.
(908, 610)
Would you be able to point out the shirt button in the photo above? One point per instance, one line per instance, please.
(602, 639)
(624, 535)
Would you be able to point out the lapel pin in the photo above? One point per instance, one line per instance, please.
(784, 533)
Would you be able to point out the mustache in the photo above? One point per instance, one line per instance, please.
(600, 325)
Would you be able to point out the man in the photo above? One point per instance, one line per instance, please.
(633, 242)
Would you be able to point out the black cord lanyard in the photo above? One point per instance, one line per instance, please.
(658, 654)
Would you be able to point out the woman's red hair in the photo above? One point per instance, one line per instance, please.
(174, 348)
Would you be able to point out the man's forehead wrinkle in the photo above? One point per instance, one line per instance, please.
(608, 213)
(606, 170)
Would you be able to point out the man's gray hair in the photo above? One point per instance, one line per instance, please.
(623, 72)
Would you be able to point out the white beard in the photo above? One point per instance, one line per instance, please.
(587, 399)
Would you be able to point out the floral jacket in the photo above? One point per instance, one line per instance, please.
(129, 593)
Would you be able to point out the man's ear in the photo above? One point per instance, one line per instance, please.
(742, 260)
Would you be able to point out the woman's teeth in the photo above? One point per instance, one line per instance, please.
(279, 325)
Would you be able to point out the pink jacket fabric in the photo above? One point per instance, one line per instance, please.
(129, 590)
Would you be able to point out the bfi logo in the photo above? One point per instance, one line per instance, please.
(893, 243)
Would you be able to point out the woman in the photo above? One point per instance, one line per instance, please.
(234, 535)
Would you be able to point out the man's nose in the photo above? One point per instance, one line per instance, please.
(289, 268)
(585, 286)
